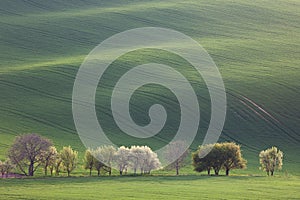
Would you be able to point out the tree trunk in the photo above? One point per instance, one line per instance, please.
(45, 169)
(90, 171)
(208, 171)
(268, 173)
(272, 173)
(30, 168)
(68, 172)
(216, 172)
(98, 172)
(121, 172)
(142, 171)
(227, 172)
(177, 167)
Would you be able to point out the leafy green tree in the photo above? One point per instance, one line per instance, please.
(219, 156)
(56, 166)
(88, 161)
(48, 158)
(201, 159)
(232, 157)
(270, 160)
(216, 157)
(69, 159)
(98, 162)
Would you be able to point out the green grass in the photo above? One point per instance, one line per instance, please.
(158, 187)
(255, 44)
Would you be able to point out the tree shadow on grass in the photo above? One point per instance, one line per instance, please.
(131, 178)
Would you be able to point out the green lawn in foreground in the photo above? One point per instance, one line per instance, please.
(255, 44)
(160, 187)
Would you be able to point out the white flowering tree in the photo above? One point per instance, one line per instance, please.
(143, 158)
(6, 167)
(270, 160)
(176, 152)
(122, 159)
(105, 156)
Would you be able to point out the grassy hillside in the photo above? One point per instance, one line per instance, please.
(255, 45)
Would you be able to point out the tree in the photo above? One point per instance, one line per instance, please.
(220, 155)
(48, 158)
(270, 160)
(56, 165)
(89, 161)
(105, 155)
(98, 164)
(2, 171)
(69, 159)
(202, 159)
(26, 152)
(6, 167)
(151, 161)
(144, 158)
(232, 157)
(135, 157)
(122, 158)
(176, 153)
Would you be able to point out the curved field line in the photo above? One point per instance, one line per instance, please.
(272, 120)
(38, 119)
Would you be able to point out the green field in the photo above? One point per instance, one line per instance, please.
(255, 44)
(184, 187)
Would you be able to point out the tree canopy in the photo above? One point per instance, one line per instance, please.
(219, 156)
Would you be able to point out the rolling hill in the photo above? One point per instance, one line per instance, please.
(255, 44)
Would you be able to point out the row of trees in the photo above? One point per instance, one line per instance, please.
(136, 158)
(31, 151)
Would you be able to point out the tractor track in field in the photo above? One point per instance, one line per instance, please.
(265, 115)
(37, 5)
(71, 77)
(250, 147)
(7, 130)
(43, 93)
(38, 119)
(50, 34)
(5, 12)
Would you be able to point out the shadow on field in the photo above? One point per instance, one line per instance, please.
(129, 178)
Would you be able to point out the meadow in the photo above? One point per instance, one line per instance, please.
(255, 45)
(154, 187)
